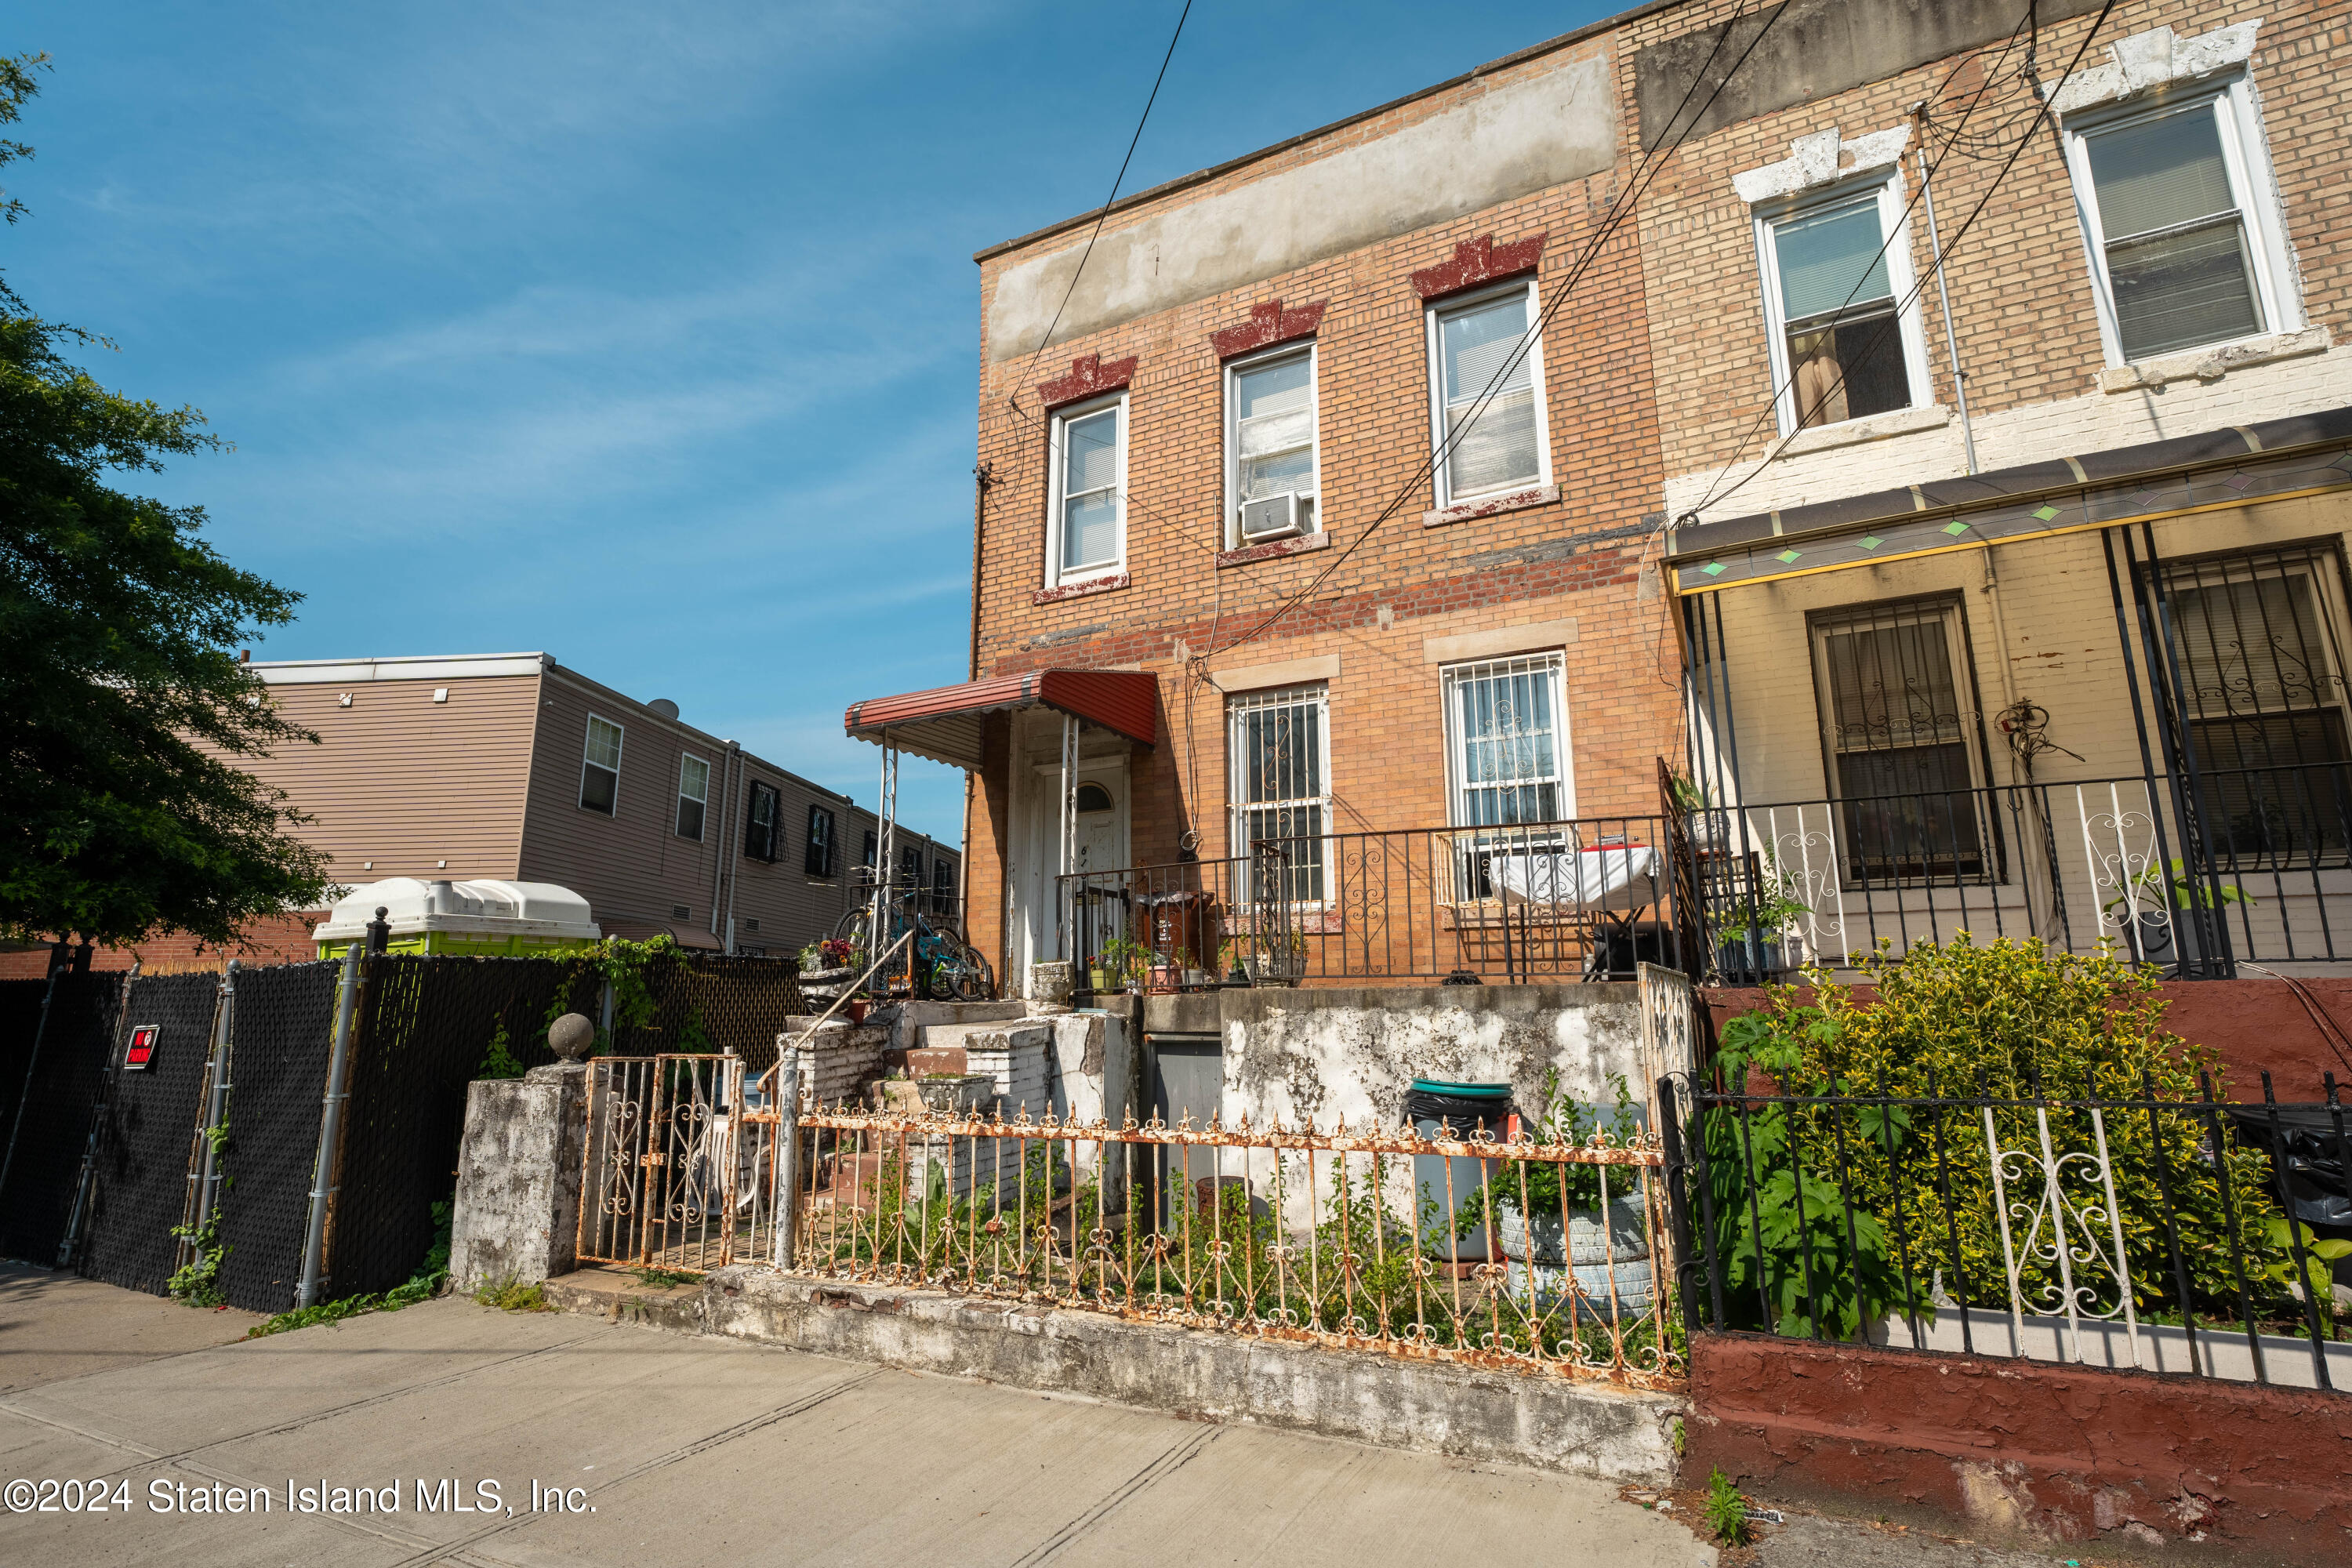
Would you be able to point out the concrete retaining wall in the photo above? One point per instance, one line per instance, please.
(1583, 1428)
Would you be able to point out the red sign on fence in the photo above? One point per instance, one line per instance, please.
(142, 1045)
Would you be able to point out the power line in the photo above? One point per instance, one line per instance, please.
(1117, 180)
(2042, 112)
(1645, 173)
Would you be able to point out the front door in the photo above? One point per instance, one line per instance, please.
(1099, 845)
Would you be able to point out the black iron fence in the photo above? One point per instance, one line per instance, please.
(2139, 1228)
(1587, 898)
(1745, 892)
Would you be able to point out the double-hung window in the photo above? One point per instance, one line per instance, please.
(763, 824)
(600, 767)
(1846, 336)
(2181, 224)
(693, 796)
(1486, 414)
(1506, 769)
(1506, 742)
(943, 887)
(1900, 721)
(1087, 532)
(1279, 747)
(817, 857)
(1272, 480)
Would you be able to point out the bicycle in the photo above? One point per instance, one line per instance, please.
(939, 962)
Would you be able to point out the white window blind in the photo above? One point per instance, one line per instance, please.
(1507, 741)
(1274, 432)
(1499, 446)
(1090, 490)
(2179, 268)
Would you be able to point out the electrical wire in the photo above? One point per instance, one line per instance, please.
(1645, 173)
(2042, 113)
(1117, 180)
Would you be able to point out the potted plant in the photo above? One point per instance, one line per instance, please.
(1125, 962)
(1748, 945)
(1564, 1234)
(1195, 977)
(1278, 959)
(2160, 932)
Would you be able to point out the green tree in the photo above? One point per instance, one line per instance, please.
(124, 708)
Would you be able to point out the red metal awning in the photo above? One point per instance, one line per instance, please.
(944, 724)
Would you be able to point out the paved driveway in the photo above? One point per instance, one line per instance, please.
(460, 1424)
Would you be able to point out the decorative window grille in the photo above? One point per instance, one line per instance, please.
(693, 796)
(1506, 742)
(1270, 438)
(600, 769)
(1279, 744)
(1845, 346)
(1089, 525)
(1901, 727)
(2259, 645)
(1502, 446)
(2176, 220)
(762, 824)
(816, 858)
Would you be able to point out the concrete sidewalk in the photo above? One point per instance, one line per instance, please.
(663, 1449)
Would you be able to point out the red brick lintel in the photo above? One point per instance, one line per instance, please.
(1268, 324)
(1477, 261)
(1088, 377)
(1271, 548)
(1054, 596)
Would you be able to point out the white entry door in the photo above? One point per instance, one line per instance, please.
(1100, 845)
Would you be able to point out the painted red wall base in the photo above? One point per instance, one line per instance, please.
(2043, 1452)
(281, 939)
(2255, 1025)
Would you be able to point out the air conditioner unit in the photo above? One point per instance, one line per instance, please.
(1272, 517)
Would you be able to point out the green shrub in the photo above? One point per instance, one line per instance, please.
(2009, 1020)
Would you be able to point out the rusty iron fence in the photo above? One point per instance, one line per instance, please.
(1481, 1246)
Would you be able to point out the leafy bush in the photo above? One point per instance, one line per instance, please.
(2008, 1020)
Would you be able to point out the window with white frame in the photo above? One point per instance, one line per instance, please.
(1506, 742)
(2181, 223)
(1271, 451)
(1278, 744)
(693, 795)
(1486, 395)
(1087, 532)
(1846, 338)
(600, 767)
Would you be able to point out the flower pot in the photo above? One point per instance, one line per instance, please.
(1197, 980)
(855, 1007)
(1098, 979)
(1595, 1254)
(1746, 963)
(1163, 980)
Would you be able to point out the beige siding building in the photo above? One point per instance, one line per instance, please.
(513, 766)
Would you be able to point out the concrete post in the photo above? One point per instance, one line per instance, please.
(788, 1155)
(517, 1217)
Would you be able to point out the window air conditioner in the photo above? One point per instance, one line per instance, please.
(1272, 516)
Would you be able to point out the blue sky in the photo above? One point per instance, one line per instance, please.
(644, 335)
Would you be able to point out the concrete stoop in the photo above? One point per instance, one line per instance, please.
(1579, 1428)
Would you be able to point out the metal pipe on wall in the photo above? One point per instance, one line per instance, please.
(1951, 341)
(217, 1102)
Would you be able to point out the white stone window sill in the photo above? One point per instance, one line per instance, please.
(1871, 427)
(2214, 363)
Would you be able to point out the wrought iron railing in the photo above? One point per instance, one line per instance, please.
(2123, 1230)
(1475, 1245)
(1585, 899)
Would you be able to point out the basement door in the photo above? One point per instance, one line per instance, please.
(1188, 1078)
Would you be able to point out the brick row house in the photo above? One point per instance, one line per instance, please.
(1400, 497)
(516, 767)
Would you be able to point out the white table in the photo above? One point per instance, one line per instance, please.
(1609, 876)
